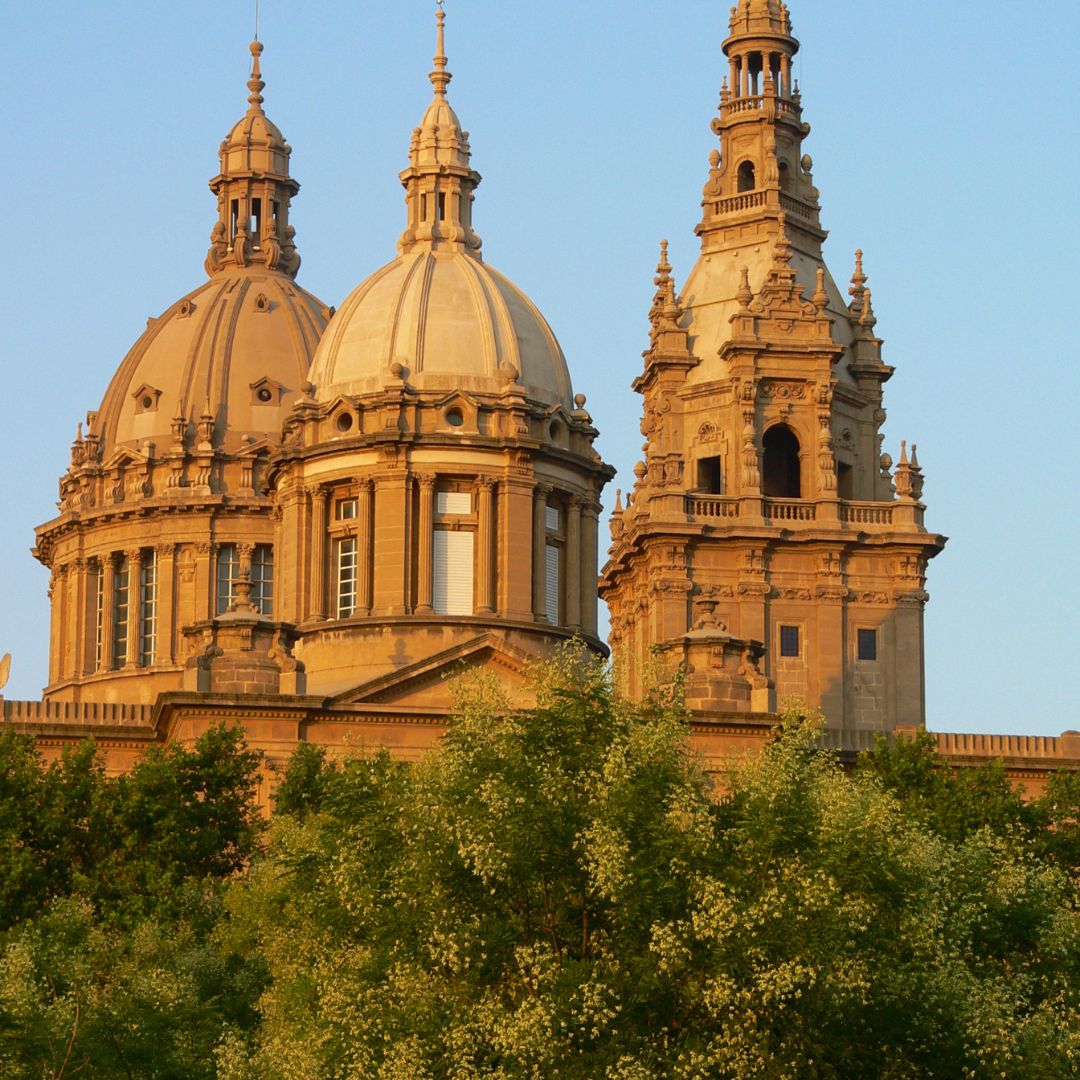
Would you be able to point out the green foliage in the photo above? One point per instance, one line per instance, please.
(110, 894)
(559, 893)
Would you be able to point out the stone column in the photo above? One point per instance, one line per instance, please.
(56, 622)
(205, 575)
(165, 554)
(108, 610)
(287, 555)
(364, 502)
(425, 544)
(589, 552)
(134, 558)
(573, 563)
(484, 535)
(317, 547)
(734, 81)
(513, 544)
(391, 546)
(76, 625)
(539, 544)
(785, 75)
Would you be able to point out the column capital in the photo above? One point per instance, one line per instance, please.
(318, 491)
(425, 480)
(165, 551)
(364, 484)
(134, 555)
(543, 489)
(486, 483)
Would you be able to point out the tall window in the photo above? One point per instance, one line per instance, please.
(452, 554)
(553, 563)
(228, 569)
(346, 567)
(789, 641)
(147, 609)
(119, 627)
(99, 617)
(262, 579)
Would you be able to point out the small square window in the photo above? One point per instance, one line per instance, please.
(789, 641)
(867, 644)
(346, 510)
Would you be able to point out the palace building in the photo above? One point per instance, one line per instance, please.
(303, 521)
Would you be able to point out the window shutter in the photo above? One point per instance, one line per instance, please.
(453, 502)
(452, 587)
(551, 518)
(551, 583)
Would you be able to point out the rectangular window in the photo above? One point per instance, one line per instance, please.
(228, 567)
(99, 619)
(262, 579)
(346, 577)
(789, 641)
(452, 578)
(147, 610)
(453, 503)
(120, 614)
(345, 510)
(552, 568)
(551, 518)
(708, 476)
(867, 644)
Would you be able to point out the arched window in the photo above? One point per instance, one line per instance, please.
(780, 475)
(785, 176)
(747, 177)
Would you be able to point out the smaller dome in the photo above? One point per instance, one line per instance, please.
(239, 346)
(453, 321)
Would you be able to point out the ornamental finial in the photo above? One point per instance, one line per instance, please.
(255, 83)
(440, 77)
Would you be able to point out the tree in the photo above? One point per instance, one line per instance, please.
(559, 892)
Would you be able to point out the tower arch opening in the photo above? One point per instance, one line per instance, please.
(747, 176)
(780, 470)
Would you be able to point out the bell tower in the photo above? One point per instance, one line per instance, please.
(765, 517)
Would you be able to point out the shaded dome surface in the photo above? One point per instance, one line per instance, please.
(453, 321)
(239, 346)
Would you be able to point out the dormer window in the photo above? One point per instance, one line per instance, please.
(146, 399)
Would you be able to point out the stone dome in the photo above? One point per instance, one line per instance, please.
(449, 320)
(238, 347)
(452, 321)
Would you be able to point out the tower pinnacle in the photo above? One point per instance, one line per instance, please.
(255, 83)
(440, 77)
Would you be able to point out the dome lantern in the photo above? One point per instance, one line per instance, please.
(253, 190)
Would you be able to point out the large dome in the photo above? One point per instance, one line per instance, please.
(238, 347)
(451, 320)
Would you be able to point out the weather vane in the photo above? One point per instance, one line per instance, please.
(257, 19)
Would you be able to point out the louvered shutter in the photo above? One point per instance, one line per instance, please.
(551, 583)
(453, 502)
(452, 586)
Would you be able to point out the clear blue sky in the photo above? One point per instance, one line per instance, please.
(945, 144)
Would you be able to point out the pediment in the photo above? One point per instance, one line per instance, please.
(426, 683)
(123, 456)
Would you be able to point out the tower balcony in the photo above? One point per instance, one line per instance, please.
(867, 517)
(750, 106)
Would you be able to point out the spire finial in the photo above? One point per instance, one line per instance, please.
(440, 77)
(255, 83)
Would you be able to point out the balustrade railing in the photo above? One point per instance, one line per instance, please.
(747, 201)
(852, 513)
(712, 506)
(789, 510)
